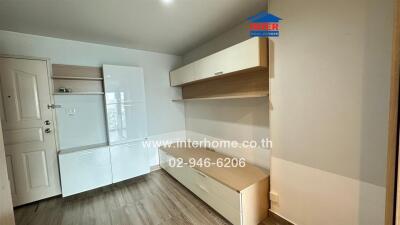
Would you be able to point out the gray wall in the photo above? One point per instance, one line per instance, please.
(228, 38)
(333, 69)
(329, 83)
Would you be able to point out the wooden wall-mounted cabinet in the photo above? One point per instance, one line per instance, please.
(248, 55)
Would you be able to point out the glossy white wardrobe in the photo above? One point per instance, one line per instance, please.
(127, 121)
(124, 157)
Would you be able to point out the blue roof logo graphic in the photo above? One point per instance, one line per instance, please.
(264, 17)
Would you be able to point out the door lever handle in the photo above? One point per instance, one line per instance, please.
(53, 106)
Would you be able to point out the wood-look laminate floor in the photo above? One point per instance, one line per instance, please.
(154, 199)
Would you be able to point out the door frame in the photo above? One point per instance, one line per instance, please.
(393, 134)
(50, 82)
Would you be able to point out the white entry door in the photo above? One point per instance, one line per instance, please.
(28, 129)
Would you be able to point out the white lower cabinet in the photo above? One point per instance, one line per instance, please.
(129, 160)
(221, 198)
(245, 207)
(84, 170)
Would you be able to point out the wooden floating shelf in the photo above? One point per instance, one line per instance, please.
(76, 78)
(83, 80)
(221, 97)
(78, 93)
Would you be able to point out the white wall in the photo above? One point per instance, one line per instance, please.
(234, 120)
(329, 82)
(164, 116)
(80, 116)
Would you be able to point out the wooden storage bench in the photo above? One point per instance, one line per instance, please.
(240, 194)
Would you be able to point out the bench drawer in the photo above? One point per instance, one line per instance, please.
(221, 198)
(218, 196)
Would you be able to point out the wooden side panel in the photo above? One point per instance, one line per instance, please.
(263, 52)
(6, 206)
(255, 203)
(254, 83)
(392, 163)
(77, 71)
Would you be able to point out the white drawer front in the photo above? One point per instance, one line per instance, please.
(221, 198)
(176, 172)
(85, 170)
(217, 189)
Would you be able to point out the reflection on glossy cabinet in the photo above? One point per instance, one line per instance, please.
(129, 160)
(125, 103)
(123, 84)
(126, 122)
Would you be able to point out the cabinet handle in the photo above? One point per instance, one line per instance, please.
(202, 188)
(201, 174)
(219, 73)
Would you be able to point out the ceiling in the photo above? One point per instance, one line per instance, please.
(155, 25)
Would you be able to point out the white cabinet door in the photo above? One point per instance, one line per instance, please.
(85, 170)
(244, 55)
(126, 103)
(238, 57)
(28, 129)
(183, 75)
(126, 122)
(123, 84)
(210, 66)
(129, 160)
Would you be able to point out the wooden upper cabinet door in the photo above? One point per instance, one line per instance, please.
(249, 54)
(28, 128)
(241, 56)
(183, 75)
